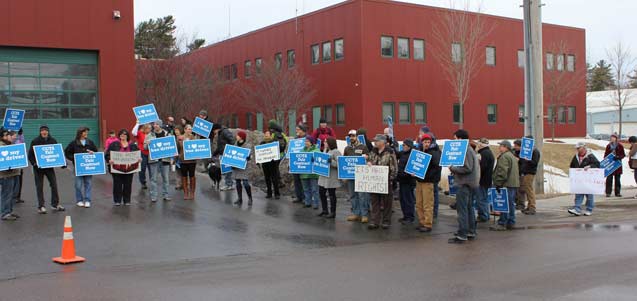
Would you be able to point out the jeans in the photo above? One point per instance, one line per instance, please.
(482, 202)
(298, 188)
(310, 188)
(142, 172)
(227, 179)
(360, 200)
(39, 175)
(425, 203)
(579, 199)
(464, 208)
(508, 219)
(6, 195)
(122, 184)
(407, 201)
(436, 199)
(155, 169)
(618, 184)
(83, 195)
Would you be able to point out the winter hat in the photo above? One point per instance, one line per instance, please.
(159, 123)
(322, 120)
(242, 135)
(311, 139)
(461, 134)
(216, 126)
(425, 129)
(362, 131)
(506, 143)
(203, 113)
(44, 127)
(409, 143)
(580, 145)
(302, 127)
(380, 137)
(517, 142)
(614, 135)
(425, 137)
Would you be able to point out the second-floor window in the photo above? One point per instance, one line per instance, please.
(490, 53)
(327, 52)
(316, 54)
(291, 59)
(387, 46)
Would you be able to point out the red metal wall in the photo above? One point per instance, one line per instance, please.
(82, 25)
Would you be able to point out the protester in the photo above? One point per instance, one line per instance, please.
(270, 170)
(203, 114)
(322, 133)
(585, 159)
(368, 142)
(360, 200)
(140, 136)
(278, 135)
(122, 174)
(407, 184)
(223, 136)
(506, 175)
(187, 168)
(242, 176)
(487, 162)
(425, 187)
(112, 137)
(18, 138)
(80, 145)
(382, 155)
(617, 149)
(7, 181)
(184, 121)
(310, 181)
(160, 166)
(301, 133)
(467, 180)
(39, 173)
(179, 133)
(632, 154)
(331, 183)
(426, 130)
(169, 125)
(391, 141)
(528, 169)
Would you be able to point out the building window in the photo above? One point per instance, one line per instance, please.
(340, 114)
(388, 110)
(247, 69)
(339, 50)
(490, 53)
(235, 121)
(278, 60)
(226, 72)
(456, 52)
(316, 54)
(291, 59)
(403, 48)
(420, 110)
(327, 52)
(561, 115)
(249, 120)
(404, 113)
(492, 113)
(571, 115)
(387, 46)
(560, 62)
(550, 61)
(570, 63)
(521, 113)
(419, 50)
(234, 71)
(521, 58)
(550, 114)
(258, 63)
(456, 113)
(327, 114)
(279, 116)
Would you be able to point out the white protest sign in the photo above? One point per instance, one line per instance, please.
(125, 162)
(267, 152)
(372, 179)
(591, 181)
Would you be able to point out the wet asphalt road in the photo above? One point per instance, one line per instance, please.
(210, 250)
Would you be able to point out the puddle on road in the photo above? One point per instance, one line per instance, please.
(585, 227)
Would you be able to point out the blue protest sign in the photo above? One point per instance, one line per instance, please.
(225, 169)
(499, 201)
(146, 114)
(89, 164)
(235, 156)
(13, 119)
(526, 151)
(197, 149)
(202, 127)
(361, 139)
(347, 140)
(164, 147)
(610, 165)
(295, 146)
(321, 165)
(301, 163)
(318, 143)
(50, 155)
(390, 124)
(453, 190)
(347, 166)
(400, 147)
(13, 156)
(454, 152)
(418, 163)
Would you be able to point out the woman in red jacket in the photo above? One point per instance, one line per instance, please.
(617, 149)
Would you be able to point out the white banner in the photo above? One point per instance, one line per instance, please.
(267, 152)
(589, 181)
(372, 179)
(126, 162)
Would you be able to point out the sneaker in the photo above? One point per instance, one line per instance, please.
(353, 218)
(372, 227)
(457, 240)
(470, 236)
(8, 217)
(618, 195)
(226, 188)
(498, 228)
(42, 210)
(529, 211)
(127, 204)
(407, 221)
(87, 204)
(519, 207)
(167, 198)
(80, 204)
(385, 226)
(588, 213)
(423, 229)
(574, 212)
(117, 204)
(58, 208)
(364, 220)
(153, 200)
(608, 195)
(19, 201)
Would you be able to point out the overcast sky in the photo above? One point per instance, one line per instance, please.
(606, 22)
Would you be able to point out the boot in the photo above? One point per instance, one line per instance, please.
(249, 193)
(186, 187)
(240, 195)
(193, 187)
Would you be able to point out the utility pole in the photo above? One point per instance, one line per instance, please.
(534, 83)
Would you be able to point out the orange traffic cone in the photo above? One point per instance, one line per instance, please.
(68, 245)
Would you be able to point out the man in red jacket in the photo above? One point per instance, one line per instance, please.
(323, 132)
(140, 132)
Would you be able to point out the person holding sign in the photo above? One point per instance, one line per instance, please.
(270, 171)
(123, 173)
(18, 138)
(81, 144)
(140, 132)
(584, 158)
(382, 155)
(7, 181)
(223, 136)
(322, 133)
(301, 133)
(161, 166)
(360, 200)
(310, 181)
(329, 184)
(617, 149)
(487, 162)
(528, 169)
(241, 176)
(40, 173)
(506, 174)
(425, 187)
(407, 184)
(187, 167)
(632, 157)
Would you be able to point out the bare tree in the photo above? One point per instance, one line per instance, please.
(458, 36)
(622, 61)
(274, 91)
(561, 85)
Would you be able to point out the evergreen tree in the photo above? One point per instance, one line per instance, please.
(601, 77)
(196, 44)
(155, 39)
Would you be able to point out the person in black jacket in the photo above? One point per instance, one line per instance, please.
(122, 174)
(528, 169)
(278, 135)
(224, 136)
(407, 184)
(425, 187)
(81, 144)
(40, 173)
(487, 161)
(583, 159)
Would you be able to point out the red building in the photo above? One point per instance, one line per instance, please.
(358, 81)
(68, 63)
